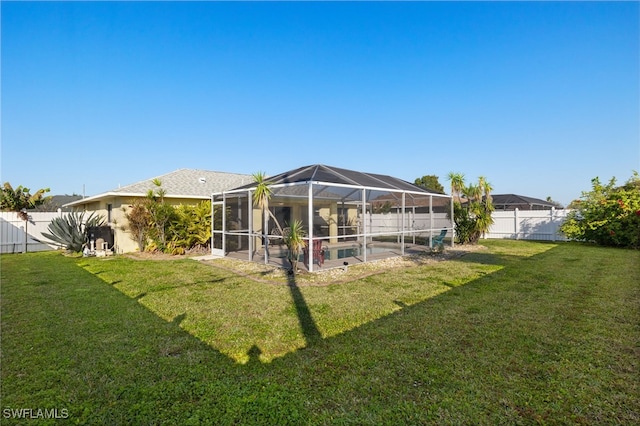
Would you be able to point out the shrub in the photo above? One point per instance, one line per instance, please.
(472, 217)
(139, 222)
(607, 215)
(191, 227)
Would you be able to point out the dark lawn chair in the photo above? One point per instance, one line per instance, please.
(318, 253)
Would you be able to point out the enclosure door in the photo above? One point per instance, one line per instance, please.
(217, 231)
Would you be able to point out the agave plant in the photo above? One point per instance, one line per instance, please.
(70, 230)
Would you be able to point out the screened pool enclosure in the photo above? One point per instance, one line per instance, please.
(348, 217)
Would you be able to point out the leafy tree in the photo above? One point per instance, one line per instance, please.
(608, 215)
(472, 217)
(20, 199)
(430, 183)
(71, 229)
(139, 222)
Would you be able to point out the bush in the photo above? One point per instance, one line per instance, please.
(191, 228)
(472, 217)
(607, 215)
(139, 220)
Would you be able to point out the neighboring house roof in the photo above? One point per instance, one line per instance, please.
(512, 201)
(183, 183)
(329, 174)
(57, 202)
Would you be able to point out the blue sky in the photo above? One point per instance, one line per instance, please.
(538, 97)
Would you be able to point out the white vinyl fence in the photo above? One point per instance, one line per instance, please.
(392, 222)
(528, 225)
(18, 236)
(515, 225)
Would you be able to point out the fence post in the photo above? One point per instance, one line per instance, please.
(25, 246)
(553, 224)
(516, 223)
(23, 236)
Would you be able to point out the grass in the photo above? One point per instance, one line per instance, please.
(521, 333)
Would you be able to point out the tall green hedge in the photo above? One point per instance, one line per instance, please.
(608, 215)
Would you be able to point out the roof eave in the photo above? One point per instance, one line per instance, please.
(92, 199)
(102, 196)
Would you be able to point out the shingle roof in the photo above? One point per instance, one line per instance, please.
(182, 183)
(188, 183)
(56, 202)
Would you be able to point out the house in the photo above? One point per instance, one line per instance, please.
(184, 186)
(354, 216)
(520, 202)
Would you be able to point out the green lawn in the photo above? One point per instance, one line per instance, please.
(520, 333)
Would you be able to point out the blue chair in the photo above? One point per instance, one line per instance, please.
(439, 239)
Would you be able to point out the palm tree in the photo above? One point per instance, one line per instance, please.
(485, 220)
(457, 184)
(261, 196)
(472, 192)
(474, 217)
(485, 187)
(262, 193)
(294, 239)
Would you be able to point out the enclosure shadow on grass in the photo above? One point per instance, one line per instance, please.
(328, 311)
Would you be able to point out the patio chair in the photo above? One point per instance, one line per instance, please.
(439, 239)
(277, 236)
(318, 253)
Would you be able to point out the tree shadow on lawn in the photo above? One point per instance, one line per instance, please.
(308, 326)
